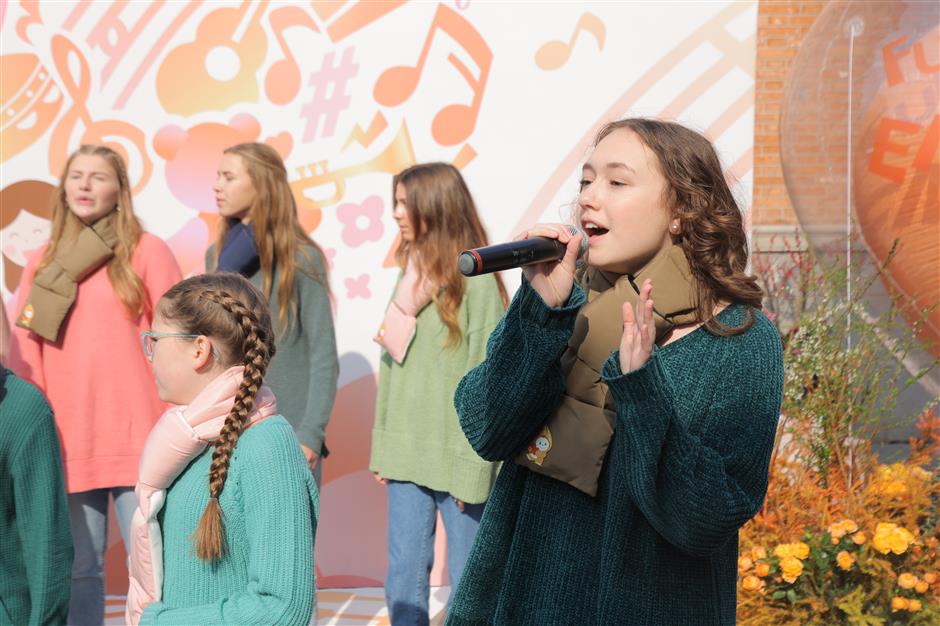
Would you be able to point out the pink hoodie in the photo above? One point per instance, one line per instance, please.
(181, 434)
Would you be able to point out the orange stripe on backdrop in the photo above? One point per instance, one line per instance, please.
(712, 32)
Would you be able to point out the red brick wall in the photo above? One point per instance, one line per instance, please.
(781, 27)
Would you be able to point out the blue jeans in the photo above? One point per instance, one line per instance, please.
(88, 517)
(412, 518)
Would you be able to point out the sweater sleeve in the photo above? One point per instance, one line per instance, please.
(27, 360)
(320, 336)
(280, 504)
(698, 488)
(42, 519)
(159, 269)
(505, 400)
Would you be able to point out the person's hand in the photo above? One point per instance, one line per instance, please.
(312, 457)
(459, 504)
(639, 331)
(379, 479)
(553, 280)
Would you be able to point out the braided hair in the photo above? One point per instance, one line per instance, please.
(235, 315)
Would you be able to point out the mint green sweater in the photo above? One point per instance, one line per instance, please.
(269, 509)
(35, 540)
(416, 436)
(686, 468)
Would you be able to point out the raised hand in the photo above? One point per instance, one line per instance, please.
(553, 280)
(639, 331)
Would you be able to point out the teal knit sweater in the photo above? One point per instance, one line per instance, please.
(416, 436)
(269, 509)
(686, 468)
(35, 540)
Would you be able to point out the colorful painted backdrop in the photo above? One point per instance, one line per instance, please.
(351, 92)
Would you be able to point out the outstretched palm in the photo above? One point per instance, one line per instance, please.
(639, 331)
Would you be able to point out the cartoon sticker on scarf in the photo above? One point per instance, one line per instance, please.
(540, 446)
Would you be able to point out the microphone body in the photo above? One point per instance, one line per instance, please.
(507, 256)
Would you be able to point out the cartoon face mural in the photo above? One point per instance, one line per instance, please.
(24, 225)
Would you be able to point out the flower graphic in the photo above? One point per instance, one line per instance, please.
(361, 222)
(358, 287)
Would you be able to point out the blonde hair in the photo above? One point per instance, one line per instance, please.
(445, 222)
(278, 233)
(227, 308)
(66, 225)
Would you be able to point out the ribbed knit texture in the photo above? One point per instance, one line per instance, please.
(96, 377)
(269, 508)
(304, 369)
(35, 540)
(416, 436)
(686, 468)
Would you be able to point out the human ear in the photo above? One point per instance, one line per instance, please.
(203, 353)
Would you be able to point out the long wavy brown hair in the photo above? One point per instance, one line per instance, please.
(711, 227)
(278, 233)
(65, 228)
(235, 316)
(445, 222)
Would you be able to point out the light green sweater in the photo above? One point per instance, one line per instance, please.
(269, 509)
(416, 436)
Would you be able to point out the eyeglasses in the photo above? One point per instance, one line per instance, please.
(150, 337)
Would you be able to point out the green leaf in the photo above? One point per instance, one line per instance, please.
(779, 595)
(852, 604)
(791, 596)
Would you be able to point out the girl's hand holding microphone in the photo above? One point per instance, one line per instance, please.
(553, 280)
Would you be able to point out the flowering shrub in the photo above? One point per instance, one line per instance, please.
(843, 538)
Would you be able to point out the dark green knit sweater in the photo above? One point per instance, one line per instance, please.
(35, 540)
(686, 468)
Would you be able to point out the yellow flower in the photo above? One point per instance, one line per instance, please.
(922, 586)
(845, 560)
(840, 529)
(859, 538)
(891, 538)
(899, 604)
(762, 569)
(791, 568)
(744, 564)
(907, 581)
(758, 552)
(800, 550)
(752, 583)
(783, 550)
(913, 605)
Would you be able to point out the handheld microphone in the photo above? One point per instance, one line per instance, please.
(507, 256)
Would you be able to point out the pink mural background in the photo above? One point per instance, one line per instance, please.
(350, 93)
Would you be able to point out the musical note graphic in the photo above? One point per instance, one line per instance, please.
(32, 17)
(222, 32)
(464, 157)
(31, 102)
(455, 122)
(113, 36)
(65, 52)
(358, 16)
(365, 137)
(555, 53)
(282, 82)
(329, 94)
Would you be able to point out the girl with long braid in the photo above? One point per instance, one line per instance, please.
(241, 550)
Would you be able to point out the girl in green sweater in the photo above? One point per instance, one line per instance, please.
(435, 329)
(634, 404)
(227, 509)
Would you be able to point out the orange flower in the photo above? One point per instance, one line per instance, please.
(744, 564)
(859, 538)
(913, 605)
(922, 586)
(762, 569)
(758, 552)
(845, 560)
(791, 568)
(907, 581)
(752, 583)
(891, 538)
(899, 604)
(930, 578)
(840, 529)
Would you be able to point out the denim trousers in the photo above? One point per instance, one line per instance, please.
(412, 518)
(88, 518)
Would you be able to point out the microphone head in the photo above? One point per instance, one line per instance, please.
(574, 230)
(468, 263)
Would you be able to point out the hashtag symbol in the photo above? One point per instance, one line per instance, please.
(329, 97)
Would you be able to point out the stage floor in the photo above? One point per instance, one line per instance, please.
(336, 607)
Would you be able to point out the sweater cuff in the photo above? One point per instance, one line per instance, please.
(150, 613)
(533, 309)
(644, 386)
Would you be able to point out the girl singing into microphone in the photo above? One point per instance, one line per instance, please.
(634, 407)
(435, 329)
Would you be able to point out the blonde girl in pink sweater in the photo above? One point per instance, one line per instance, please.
(84, 300)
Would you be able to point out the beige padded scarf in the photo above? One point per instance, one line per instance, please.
(55, 286)
(573, 443)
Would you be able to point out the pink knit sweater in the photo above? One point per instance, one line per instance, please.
(96, 377)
